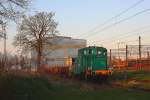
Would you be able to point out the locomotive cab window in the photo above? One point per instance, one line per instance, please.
(104, 53)
(90, 51)
(85, 52)
(99, 52)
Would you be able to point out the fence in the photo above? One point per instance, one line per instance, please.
(132, 57)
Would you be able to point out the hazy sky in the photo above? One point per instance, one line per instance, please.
(78, 18)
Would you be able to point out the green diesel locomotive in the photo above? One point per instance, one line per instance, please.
(92, 61)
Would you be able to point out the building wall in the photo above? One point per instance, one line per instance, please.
(59, 49)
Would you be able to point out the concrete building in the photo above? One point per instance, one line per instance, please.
(59, 48)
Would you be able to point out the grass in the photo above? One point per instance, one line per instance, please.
(103, 93)
(139, 75)
(136, 79)
(14, 87)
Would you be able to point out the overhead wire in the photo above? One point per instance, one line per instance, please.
(125, 38)
(126, 34)
(109, 20)
(120, 21)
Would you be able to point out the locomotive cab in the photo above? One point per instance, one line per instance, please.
(92, 61)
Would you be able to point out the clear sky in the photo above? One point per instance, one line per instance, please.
(77, 18)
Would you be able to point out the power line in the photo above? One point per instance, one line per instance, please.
(125, 19)
(109, 20)
(127, 34)
(125, 42)
(134, 34)
(110, 42)
(147, 38)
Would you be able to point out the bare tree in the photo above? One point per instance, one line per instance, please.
(34, 32)
(12, 9)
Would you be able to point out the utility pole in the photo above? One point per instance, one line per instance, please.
(126, 67)
(126, 56)
(140, 52)
(4, 37)
(148, 55)
(5, 52)
(110, 62)
(118, 50)
(148, 59)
